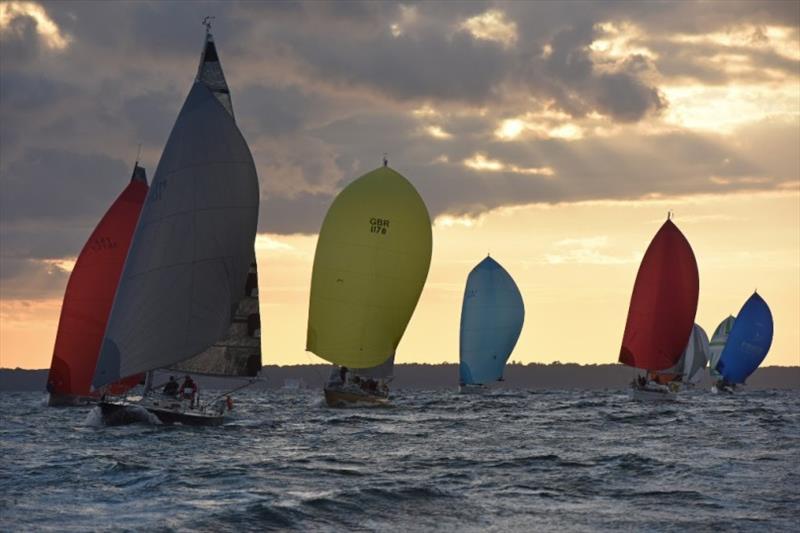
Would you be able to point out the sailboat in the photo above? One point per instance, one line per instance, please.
(371, 262)
(188, 296)
(662, 311)
(688, 371)
(88, 298)
(492, 314)
(747, 345)
(717, 344)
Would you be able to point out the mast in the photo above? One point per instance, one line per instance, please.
(192, 256)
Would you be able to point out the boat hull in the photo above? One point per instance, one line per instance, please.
(343, 398)
(473, 389)
(117, 414)
(650, 395)
(69, 400)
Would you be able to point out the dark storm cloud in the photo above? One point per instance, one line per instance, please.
(43, 184)
(321, 90)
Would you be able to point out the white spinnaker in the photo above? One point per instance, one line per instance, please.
(696, 355)
(192, 249)
(718, 341)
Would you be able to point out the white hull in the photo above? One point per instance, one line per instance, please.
(650, 395)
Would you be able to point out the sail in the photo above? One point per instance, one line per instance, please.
(371, 262)
(90, 293)
(239, 352)
(663, 303)
(492, 314)
(209, 72)
(748, 342)
(717, 343)
(695, 356)
(191, 256)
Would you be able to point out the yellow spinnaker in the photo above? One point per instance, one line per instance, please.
(372, 258)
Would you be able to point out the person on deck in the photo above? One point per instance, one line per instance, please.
(343, 375)
(188, 390)
(171, 388)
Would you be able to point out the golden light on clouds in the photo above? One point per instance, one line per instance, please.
(437, 132)
(408, 16)
(66, 264)
(480, 162)
(46, 28)
(619, 41)
(586, 251)
(510, 129)
(781, 40)
(492, 25)
(723, 108)
(544, 125)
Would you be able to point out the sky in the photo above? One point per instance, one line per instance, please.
(554, 135)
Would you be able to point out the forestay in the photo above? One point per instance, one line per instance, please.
(492, 314)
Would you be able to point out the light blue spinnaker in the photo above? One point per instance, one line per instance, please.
(748, 341)
(491, 321)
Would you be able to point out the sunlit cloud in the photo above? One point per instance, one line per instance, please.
(510, 129)
(437, 132)
(448, 221)
(481, 162)
(781, 40)
(744, 180)
(270, 243)
(724, 108)
(46, 28)
(538, 126)
(492, 25)
(619, 41)
(425, 111)
(408, 16)
(64, 264)
(586, 251)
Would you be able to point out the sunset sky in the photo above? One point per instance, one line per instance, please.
(555, 136)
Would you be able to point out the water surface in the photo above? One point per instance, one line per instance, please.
(510, 461)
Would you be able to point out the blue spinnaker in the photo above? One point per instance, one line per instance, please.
(491, 320)
(748, 341)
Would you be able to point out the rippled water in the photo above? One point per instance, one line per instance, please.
(517, 460)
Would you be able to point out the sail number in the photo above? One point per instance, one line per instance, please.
(379, 225)
(102, 243)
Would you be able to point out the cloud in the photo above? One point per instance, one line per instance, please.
(482, 105)
(586, 251)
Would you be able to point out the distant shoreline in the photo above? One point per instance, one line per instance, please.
(535, 376)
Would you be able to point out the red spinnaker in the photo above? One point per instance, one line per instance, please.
(663, 304)
(89, 295)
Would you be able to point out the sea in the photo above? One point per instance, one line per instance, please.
(577, 460)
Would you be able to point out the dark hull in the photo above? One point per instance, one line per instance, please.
(115, 414)
(69, 400)
(340, 398)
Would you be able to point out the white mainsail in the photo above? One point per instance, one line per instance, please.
(187, 270)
